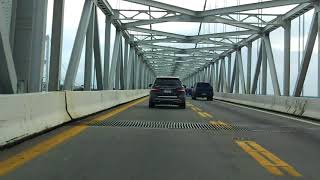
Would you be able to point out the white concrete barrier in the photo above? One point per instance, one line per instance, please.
(298, 106)
(81, 104)
(23, 115)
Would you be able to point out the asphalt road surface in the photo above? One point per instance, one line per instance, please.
(209, 140)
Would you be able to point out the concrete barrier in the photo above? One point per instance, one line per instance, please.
(298, 106)
(81, 104)
(23, 115)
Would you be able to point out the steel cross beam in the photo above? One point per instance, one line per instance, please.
(281, 19)
(155, 32)
(185, 18)
(160, 5)
(253, 6)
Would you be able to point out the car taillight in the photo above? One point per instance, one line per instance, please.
(180, 90)
(155, 90)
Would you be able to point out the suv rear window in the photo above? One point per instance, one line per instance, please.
(203, 85)
(167, 82)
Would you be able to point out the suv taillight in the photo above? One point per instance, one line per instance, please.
(180, 89)
(155, 90)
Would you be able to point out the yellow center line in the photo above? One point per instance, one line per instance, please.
(220, 124)
(201, 114)
(260, 159)
(23, 157)
(277, 161)
(259, 153)
(207, 114)
(193, 109)
(225, 124)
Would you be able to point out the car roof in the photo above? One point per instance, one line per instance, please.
(168, 77)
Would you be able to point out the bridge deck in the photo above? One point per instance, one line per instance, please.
(208, 140)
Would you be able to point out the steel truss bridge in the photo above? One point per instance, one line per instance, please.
(260, 124)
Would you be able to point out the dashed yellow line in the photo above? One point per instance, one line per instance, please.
(263, 157)
(207, 114)
(202, 114)
(220, 124)
(21, 158)
(194, 109)
(277, 161)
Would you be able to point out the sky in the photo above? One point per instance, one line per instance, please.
(73, 10)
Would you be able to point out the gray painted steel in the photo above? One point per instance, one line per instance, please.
(97, 53)
(88, 66)
(287, 50)
(56, 45)
(78, 46)
(306, 55)
(8, 80)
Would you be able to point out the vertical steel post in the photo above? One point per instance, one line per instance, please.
(78, 45)
(264, 70)
(106, 71)
(125, 63)
(237, 78)
(130, 67)
(229, 70)
(114, 60)
(241, 72)
(56, 45)
(318, 9)
(97, 52)
(249, 46)
(272, 67)
(8, 76)
(29, 42)
(287, 47)
(88, 54)
(257, 71)
(307, 55)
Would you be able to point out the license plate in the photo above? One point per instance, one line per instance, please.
(167, 91)
(204, 94)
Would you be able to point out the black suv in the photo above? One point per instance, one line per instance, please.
(167, 90)
(202, 89)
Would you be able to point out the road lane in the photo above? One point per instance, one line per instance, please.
(105, 152)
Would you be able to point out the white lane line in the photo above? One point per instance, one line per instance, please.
(273, 113)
